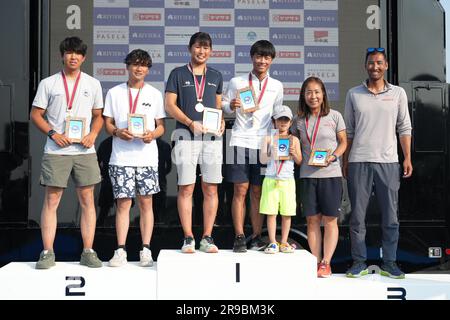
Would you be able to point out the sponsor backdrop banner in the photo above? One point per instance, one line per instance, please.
(304, 32)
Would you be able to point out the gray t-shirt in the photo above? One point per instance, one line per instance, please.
(326, 138)
(51, 96)
(373, 120)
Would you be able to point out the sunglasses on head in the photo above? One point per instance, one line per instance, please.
(370, 50)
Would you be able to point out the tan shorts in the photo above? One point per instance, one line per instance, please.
(56, 169)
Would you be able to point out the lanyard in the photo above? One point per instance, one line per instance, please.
(132, 104)
(199, 88)
(279, 167)
(263, 88)
(315, 131)
(66, 88)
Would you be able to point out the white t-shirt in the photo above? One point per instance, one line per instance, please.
(51, 96)
(249, 129)
(134, 153)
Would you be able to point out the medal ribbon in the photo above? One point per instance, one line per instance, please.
(199, 88)
(279, 167)
(66, 89)
(132, 104)
(315, 130)
(263, 88)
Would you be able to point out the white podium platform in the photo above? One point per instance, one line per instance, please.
(71, 281)
(227, 275)
(223, 276)
(377, 287)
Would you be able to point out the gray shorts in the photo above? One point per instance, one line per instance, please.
(126, 181)
(56, 169)
(208, 154)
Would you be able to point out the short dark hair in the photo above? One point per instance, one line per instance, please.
(263, 48)
(138, 57)
(303, 108)
(73, 44)
(203, 38)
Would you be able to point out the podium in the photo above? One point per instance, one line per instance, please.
(206, 276)
(253, 275)
(72, 281)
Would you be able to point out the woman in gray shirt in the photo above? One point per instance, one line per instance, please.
(322, 135)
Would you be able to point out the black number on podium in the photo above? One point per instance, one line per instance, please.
(80, 284)
(400, 296)
(238, 272)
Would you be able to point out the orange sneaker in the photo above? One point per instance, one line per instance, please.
(323, 270)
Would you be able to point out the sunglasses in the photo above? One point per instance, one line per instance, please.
(370, 50)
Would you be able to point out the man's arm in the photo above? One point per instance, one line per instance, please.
(345, 157)
(219, 106)
(37, 117)
(155, 134)
(405, 142)
(110, 127)
(96, 125)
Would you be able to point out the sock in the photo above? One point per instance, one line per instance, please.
(121, 247)
(146, 246)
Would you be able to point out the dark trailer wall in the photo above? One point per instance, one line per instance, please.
(416, 63)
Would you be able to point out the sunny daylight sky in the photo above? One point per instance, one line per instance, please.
(446, 5)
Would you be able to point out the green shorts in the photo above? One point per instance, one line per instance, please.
(278, 196)
(56, 169)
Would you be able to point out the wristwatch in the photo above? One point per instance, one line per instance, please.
(335, 157)
(50, 133)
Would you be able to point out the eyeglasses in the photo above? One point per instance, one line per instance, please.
(370, 50)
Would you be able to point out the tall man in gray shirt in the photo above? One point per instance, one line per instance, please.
(374, 113)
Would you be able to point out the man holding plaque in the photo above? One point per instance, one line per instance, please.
(134, 116)
(193, 92)
(68, 109)
(322, 133)
(375, 112)
(253, 97)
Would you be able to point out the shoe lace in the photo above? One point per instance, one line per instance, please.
(209, 239)
(188, 240)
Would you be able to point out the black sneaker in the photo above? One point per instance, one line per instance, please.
(257, 244)
(239, 244)
(391, 270)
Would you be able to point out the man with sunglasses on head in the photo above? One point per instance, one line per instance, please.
(375, 112)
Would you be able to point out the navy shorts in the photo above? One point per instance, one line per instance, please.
(321, 195)
(246, 167)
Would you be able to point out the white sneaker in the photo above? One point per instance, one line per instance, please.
(119, 259)
(146, 258)
(188, 245)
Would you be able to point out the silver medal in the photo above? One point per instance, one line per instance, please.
(199, 107)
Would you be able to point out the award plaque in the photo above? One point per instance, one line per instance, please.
(248, 101)
(282, 143)
(137, 124)
(318, 158)
(75, 129)
(212, 120)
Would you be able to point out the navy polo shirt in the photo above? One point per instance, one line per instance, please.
(182, 84)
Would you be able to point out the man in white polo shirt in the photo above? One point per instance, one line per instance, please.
(249, 130)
